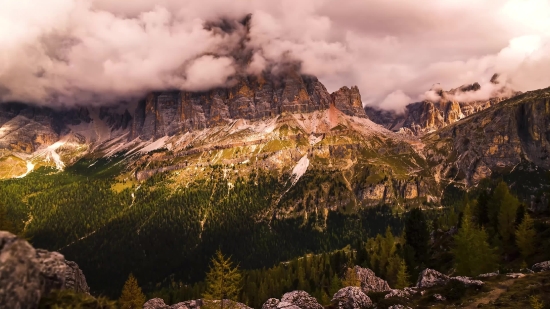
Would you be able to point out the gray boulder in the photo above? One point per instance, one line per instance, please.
(27, 274)
(369, 281)
(301, 299)
(351, 297)
(21, 284)
(155, 303)
(543, 266)
(467, 281)
(429, 278)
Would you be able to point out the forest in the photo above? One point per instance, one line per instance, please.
(165, 236)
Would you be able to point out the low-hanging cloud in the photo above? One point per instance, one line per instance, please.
(89, 51)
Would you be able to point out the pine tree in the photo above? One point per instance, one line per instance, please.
(335, 285)
(471, 250)
(402, 276)
(5, 223)
(132, 297)
(223, 280)
(507, 217)
(417, 235)
(525, 237)
(350, 278)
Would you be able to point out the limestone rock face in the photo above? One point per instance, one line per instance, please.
(429, 278)
(543, 266)
(369, 281)
(351, 297)
(27, 274)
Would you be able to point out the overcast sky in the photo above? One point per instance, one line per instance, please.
(394, 50)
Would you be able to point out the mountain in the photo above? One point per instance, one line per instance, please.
(272, 168)
(441, 109)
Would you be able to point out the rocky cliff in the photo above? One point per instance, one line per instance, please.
(496, 139)
(442, 109)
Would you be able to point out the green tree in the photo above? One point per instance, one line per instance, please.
(507, 217)
(525, 237)
(132, 297)
(350, 278)
(223, 280)
(335, 285)
(5, 223)
(402, 276)
(471, 250)
(417, 235)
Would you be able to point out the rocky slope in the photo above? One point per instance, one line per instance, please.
(443, 109)
(494, 140)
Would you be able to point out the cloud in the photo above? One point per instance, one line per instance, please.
(88, 51)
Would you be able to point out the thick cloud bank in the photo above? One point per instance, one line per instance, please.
(88, 51)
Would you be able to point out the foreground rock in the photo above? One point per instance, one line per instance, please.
(351, 297)
(543, 266)
(293, 300)
(27, 274)
(429, 278)
(369, 281)
(158, 303)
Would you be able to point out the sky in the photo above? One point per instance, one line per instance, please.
(89, 51)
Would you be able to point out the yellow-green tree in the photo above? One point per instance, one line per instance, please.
(132, 297)
(223, 280)
(471, 250)
(402, 276)
(350, 278)
(525, 237)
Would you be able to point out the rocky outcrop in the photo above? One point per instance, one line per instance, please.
(543, 266)
(27, 274)
(293, 300)
(369, 281)
(351, 297)
(405, 293)
(501, 137)
(429, 278)
(443, 109)
(155, 303)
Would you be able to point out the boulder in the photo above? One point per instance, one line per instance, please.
(301, 299)
(405, 293)
(21, 284)
(543, 266)
(429, 278)
(398, 307)
(155, 303)
(439, 297)
(515, 275)
(351, 297)
(467, 281)
(27, 274)
(60, 274)
(489, 275)
(271, 303)
(369, 281)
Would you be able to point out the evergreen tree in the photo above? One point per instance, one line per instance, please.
(132, 297)
(350, 278)
(5, 223)
(507, 217)
(402, 276)
(223, 280)
(417, 235)
(335, 285)
(471, 250)
(525, 237)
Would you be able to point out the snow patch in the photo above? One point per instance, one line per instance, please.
(300, 169)
(30, 167)
(158, 144)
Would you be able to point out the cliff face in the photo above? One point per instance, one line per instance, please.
(430, 115)
(252, 98)
(498, 138)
